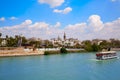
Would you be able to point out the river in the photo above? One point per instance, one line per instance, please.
(76, 66)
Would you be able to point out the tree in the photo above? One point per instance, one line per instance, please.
(24, 40)
(11, 42)
(77, 45)
(88, 45)
(91, 47)
(105, 45)
(63, 50)
(95, 47)
(36, 44)
(48, 44)
(115, 43)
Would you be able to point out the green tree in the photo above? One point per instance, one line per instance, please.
(36, 44)
(105, 45)
(11, 42)
(95, 47)
(88, 45)
(48, 44)
(63, 50)
(24, 40)
(115, 43)
(77, 45)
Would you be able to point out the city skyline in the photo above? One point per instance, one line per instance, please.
(46, 19)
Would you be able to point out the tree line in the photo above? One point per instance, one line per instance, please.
(86, 44)
(104, 44)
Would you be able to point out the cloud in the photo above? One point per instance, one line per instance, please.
(52, 3)
(95, 23)
(27, 22)
(58, 24)
(64, 11)
(29, 29)
(2, 19)
(115, 0)
(111, 29)
(78, 27)
(39, 25)
(13, 18)
(91, 29)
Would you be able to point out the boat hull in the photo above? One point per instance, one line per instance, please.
(106, 55)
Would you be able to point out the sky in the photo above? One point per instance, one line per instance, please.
(46, 19)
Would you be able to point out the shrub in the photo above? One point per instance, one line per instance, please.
(63, 50)
(51, 52)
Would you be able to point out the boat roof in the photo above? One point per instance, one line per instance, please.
(104, 52)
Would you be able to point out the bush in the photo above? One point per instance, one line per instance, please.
(92, 47)
(63, 50)
(51, 52)
(46, 53)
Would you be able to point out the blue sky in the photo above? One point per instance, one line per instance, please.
(65, 13)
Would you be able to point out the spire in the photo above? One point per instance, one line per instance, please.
(64, 36)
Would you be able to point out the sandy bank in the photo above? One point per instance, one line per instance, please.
(19, 52)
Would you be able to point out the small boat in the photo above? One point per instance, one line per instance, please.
(106, 55)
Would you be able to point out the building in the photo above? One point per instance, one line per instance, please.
(3, 42)
(70, 42)
(97, 41)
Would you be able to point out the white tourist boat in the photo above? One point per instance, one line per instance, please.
(106, 55)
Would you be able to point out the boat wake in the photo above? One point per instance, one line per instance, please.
(95, 60)
(118, 57)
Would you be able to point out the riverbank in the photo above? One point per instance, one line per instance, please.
(9, 52)
(19, 52)
(50, 51)
(6, 52)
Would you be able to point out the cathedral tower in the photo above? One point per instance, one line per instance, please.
(64, 36)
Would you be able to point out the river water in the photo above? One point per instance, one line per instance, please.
(76, 66)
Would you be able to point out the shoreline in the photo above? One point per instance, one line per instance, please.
(18, 55)
(20, 51)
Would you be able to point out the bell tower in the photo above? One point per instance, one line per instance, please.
(64, 36)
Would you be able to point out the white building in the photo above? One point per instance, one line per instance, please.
(58, 42)
(4, 42)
